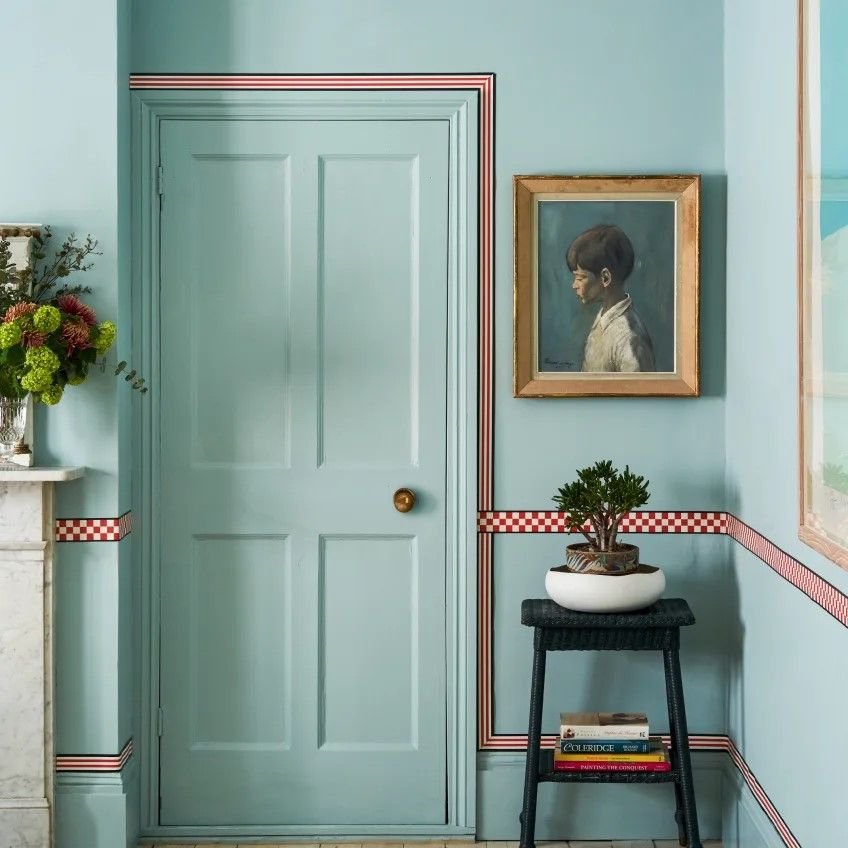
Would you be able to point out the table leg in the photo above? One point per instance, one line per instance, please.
(684, 790)
(534, 737)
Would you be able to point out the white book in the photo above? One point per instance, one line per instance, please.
(603, 726)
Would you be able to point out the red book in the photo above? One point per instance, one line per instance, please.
(597, 765)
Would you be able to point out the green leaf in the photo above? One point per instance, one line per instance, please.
(603, 495)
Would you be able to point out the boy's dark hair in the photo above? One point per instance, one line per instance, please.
(604, 246)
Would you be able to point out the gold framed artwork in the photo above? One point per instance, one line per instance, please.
(606, 285)
(823, 277)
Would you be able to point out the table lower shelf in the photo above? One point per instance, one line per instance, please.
(547, 774)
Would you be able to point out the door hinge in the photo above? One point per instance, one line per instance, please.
(160, 180)
(160, 721)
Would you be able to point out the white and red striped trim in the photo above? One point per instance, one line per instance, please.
(485, 428)
(95, 763)
(309, 82)
(825, 594)
(697, 742)
(484, 84)
(762, 798)
(485, 709)
(93, 529)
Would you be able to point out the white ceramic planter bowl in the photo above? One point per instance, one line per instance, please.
(605, 593)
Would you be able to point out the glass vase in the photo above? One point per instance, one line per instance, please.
(13, 420)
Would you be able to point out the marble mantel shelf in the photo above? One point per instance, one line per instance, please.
(57, 474)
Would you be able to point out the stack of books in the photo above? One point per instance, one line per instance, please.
(608, 742)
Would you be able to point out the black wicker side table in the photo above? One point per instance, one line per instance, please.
(656, 628)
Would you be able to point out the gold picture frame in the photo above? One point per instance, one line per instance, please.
(630, 329)
(822, 286)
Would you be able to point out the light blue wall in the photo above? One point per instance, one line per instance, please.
(61, 168)
(609, 86)
(65, 151)
(786, 675)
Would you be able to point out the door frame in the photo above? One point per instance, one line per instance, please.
(468, 113)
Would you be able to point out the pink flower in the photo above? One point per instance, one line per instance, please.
(18, 310)
(71, 305)
(32, 338)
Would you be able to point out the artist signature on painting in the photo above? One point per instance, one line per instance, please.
(560, 364)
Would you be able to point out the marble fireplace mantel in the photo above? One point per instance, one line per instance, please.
(26, 654)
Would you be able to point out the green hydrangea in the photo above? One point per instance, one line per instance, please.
(47, 319)
(37, 380)
(52, 395)
(77, 379)
(10, 334)
(105, 336)
(42, 357)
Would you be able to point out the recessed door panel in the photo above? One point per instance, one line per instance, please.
(241, 260)
(234, 614)
(369, 280)
(361, 636)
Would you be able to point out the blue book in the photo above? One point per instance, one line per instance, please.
(607, 746)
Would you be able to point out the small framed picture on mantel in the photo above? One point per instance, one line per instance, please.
(606, 285)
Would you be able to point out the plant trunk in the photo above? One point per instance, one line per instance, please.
(614, 532)
(600, 526)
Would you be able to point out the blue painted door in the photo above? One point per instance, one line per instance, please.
(303, 347)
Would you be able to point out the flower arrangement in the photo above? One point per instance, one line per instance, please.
(49, 338)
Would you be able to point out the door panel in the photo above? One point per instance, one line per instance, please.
(352, 247)
(303, 341)
(235, 587)
(385, 639)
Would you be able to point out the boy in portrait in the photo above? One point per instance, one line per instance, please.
(601, 259)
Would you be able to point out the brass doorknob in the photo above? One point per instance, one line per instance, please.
(404, 500)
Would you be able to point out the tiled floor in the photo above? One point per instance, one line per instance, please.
(637, 843)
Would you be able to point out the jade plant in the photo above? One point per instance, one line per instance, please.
(600, 497)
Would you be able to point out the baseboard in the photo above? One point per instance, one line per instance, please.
(356, 834)
(97, 810)
(746, 824)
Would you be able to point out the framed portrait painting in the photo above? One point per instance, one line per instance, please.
(823, 277)
(606, 285)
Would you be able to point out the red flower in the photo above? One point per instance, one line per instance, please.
(19, 309)
(32, 338)
(75, 334)
(71, 305)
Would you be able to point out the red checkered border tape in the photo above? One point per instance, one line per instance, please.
(634, 522)
(93, 529)
(825, 594)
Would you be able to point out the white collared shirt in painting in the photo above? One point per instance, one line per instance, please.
(618, 341)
